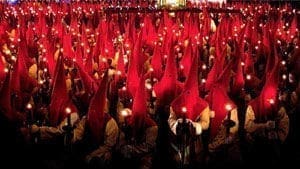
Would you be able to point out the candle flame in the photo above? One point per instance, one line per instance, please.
(68, 110)
(228, 107)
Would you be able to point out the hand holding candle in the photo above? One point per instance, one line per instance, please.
(68, 111)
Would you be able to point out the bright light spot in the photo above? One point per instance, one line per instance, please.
(29, 106)
(284, 76)
(248, 77)
(271, 101)
(148, 86)
(184, 109)
(228, 107)
(68, 110)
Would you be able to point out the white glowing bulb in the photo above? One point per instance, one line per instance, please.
(204, 66)
(203, 81)
(283, 62)
(151, 69)
(5, 70)
(124, 88)
(243, 63)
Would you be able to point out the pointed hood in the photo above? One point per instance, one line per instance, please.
(139, 119)
(59, 94)
(97, 117)
(166, 88)
(218, 105)
(261, 105)
(189, 98)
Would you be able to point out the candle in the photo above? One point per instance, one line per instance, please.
(30, 113)
(68, 111)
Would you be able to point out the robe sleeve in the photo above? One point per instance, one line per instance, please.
(145, 148)
(48, 133)
(110, 140)
(221, 139)
(282, 124)
(204, 118)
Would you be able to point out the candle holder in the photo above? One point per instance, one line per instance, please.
(68, 128)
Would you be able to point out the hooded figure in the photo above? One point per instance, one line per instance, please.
(223, 139)
(267, 123)
(62, 110)
(139, 131)
(188, 109)
(97, 132)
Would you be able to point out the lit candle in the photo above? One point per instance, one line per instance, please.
(248, 77)
(68, 111)
(184, 109)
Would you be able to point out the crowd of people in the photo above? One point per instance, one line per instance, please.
(82, 87)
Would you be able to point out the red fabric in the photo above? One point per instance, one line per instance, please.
(135, 65)
(59, 94)
(89, 83)
(261, 105)
(96, 116)
(186, 60)
(157, 62)
(68, 47)
(5, 99)
(190, 96)
(217, 100)
(139, 120)
(2, 67)
(166, 88)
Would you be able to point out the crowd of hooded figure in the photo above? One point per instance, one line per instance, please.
(85, 88)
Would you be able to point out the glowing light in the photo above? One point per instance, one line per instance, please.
(6, 70)
(248, 77)
(125, 112)
(181, 67)
(29, 106)
(243, 63)
(284, 76)
(68, 110)
(283, 62)
(119, 72)
(203, 81)
(271, 101)
(124, 88)
(228, 107)
(148, 86)
(184, 109)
